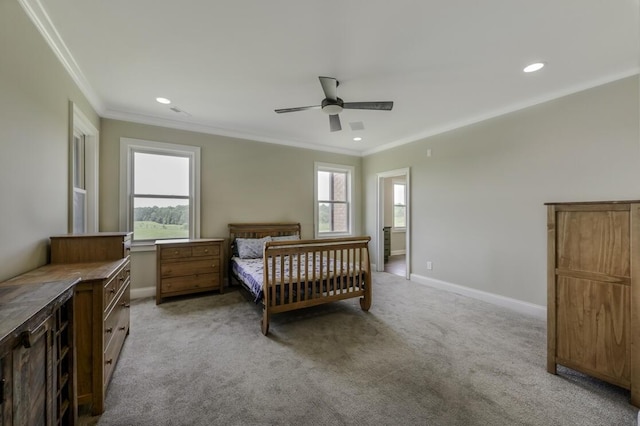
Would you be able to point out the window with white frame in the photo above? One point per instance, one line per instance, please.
(399, 206)
(333, 207)
(160, 188)
(83, 202)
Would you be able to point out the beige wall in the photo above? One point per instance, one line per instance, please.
(35, 91)
(241, 180)
(477, 205)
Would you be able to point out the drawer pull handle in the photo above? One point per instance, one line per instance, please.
(176, 252)
(206, 250)
(121, 279)
(112, 290)
(109, 361)
(123, 328)
(125, 305)
(109, 330)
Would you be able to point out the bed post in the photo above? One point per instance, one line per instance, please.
(365, 301)
(265, 294)
(264, 323)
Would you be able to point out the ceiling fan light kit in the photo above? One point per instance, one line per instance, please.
(333, 105)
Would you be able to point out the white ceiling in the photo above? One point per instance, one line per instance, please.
(230, 63)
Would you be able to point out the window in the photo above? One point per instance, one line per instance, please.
(399, 205)
(160, 187)
(333, 212)
(79, 211)
(83, 178)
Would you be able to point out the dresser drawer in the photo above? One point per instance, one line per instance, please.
(175, 252)
(110, 291)
(113, 286)
(117, 316)
(191, 282)
(193, 267)
(205, 250)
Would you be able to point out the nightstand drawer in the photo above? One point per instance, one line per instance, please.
(206, 250)
(176, 253)
(191, 283)
(179, 269)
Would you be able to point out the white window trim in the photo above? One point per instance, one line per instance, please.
(393, 183)
(82, 125)
(127, 147)
(328, 167)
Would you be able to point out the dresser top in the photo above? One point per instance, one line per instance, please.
(594, 202)
(93, 235)
(190, 241)
(84, 271)
(19, 303)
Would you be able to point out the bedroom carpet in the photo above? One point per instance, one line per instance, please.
(421, 356)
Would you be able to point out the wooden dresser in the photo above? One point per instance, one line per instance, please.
(102, 300)
(188, 266)
(37, 380)
(593, 290)
(73, 248)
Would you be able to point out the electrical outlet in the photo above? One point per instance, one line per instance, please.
(429, 266)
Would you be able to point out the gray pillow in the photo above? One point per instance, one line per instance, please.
(251, 248)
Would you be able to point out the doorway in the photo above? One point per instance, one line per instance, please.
(393, 223)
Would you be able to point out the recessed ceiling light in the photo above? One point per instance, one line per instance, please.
(533, 67)
(357, 139)
(163, 100)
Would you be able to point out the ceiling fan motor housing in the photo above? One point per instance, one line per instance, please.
(331, 107)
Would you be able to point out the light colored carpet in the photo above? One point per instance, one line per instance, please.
(421, 356)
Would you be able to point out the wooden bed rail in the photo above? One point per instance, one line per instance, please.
(303, 273)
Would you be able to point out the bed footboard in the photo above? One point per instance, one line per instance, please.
(303, 273)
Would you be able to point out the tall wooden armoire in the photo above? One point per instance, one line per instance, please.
(593, 299)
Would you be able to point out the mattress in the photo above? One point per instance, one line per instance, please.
(332, 275)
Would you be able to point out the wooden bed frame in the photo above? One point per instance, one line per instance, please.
(351, 278)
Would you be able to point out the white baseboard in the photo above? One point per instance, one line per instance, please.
(397, 252)
(506, 302)
(139, 293)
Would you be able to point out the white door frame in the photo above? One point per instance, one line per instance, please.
(380, 219)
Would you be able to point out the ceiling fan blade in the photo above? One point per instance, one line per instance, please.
(330, 87)
(280, 111)
(334, 123)
(383, 106)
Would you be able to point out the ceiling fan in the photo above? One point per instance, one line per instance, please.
(333, 105)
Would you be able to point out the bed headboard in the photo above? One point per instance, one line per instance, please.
(260, 230)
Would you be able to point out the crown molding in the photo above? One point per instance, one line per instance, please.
(212, 130)
(41, 20)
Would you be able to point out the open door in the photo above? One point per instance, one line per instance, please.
(393, 225)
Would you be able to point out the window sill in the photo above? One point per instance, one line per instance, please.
(142, 247)
(398, 230)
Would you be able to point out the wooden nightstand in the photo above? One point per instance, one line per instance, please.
(188, 266)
